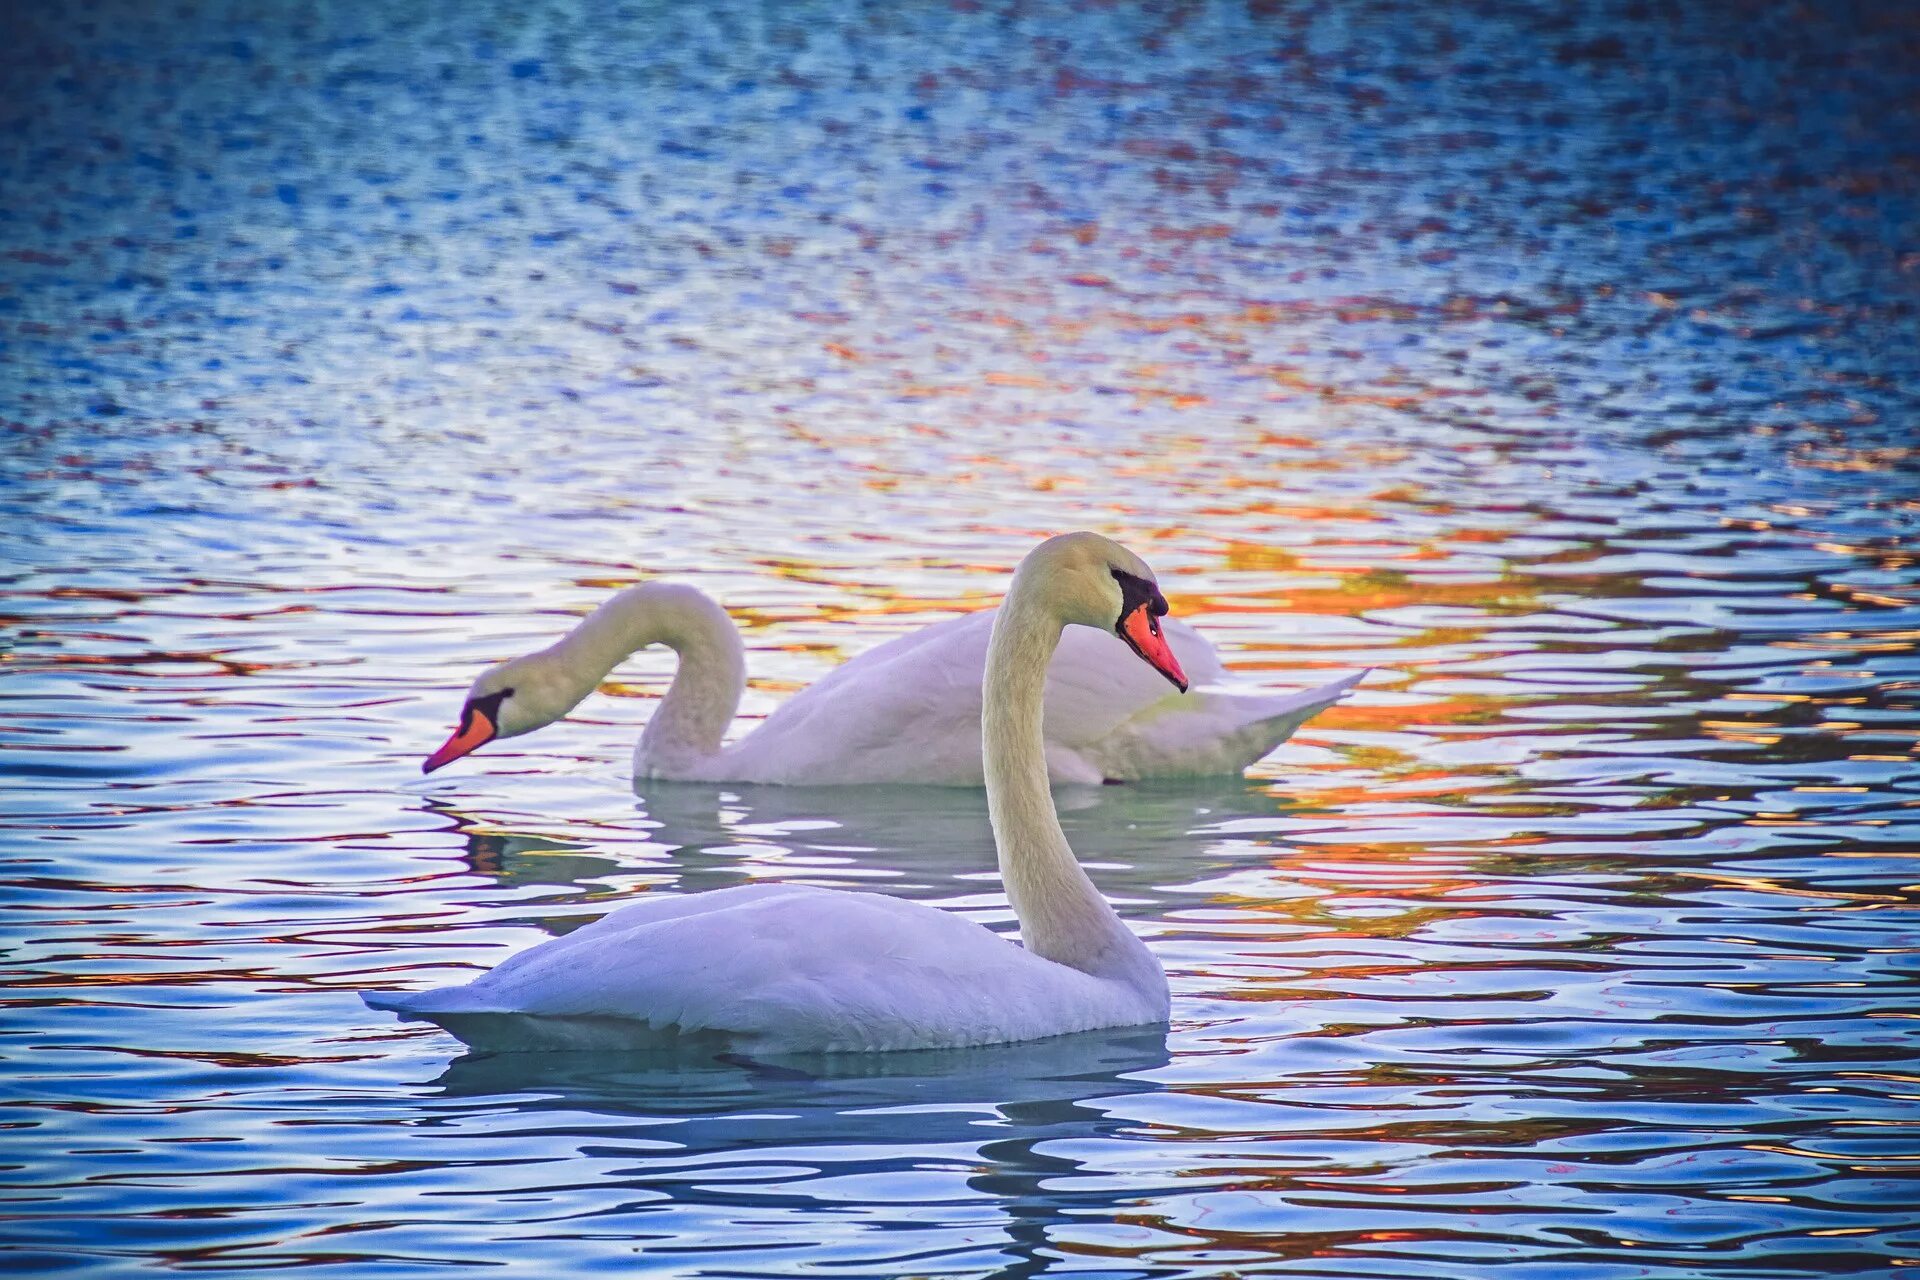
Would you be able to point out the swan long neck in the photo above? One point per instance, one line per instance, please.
(692, 719)
(1062, 915)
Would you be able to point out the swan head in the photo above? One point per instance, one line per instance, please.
(508, 700)
(1096, 582)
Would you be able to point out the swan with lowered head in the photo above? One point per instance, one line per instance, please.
(907, 711)
(791, 969)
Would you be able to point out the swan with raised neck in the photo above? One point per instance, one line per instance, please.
(1062, 915)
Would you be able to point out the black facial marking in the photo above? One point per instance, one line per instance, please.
(1137, 591)
(489, 704)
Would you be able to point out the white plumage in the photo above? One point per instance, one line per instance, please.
(907, 711)
(779, 968)
(792, 969)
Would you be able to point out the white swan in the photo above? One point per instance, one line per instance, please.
(791, 969)
(907, 711)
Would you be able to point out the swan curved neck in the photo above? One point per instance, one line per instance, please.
(1062, 915)
(691, 720)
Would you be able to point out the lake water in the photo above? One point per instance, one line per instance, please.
(1560, 367)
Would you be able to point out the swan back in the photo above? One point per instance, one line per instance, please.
(778, 969)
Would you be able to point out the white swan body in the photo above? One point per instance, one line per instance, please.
(907, 711)
(779, 969)
(791, 969)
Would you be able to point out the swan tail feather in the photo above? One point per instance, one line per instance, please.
(1216, 732)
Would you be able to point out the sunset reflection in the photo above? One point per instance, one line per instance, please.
(1553, 368)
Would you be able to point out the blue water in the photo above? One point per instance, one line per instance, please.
(1558, 364)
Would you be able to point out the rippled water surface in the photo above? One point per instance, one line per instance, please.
(1557, 363)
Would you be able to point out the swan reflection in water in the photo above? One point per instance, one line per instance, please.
(718, 1137)
(911, 840)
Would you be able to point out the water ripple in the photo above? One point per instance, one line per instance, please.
(1557, 366)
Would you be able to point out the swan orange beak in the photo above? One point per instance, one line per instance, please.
(475, 731)
(1141, 630)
